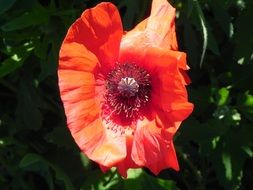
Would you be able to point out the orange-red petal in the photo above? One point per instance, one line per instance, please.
(158, 28)
(83, 119)
(100, 30)
(75, 56)
(153, 147)
(101, 145)
(168, 89)
(161, 25)
(91, 43)
(127, 163)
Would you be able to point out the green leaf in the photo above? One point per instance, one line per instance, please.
(248, 150)
(133, 10)
(230, 155)
(204, 30)
(33, 162)
(243, 35)
(31, 158)
(167, 184)
(228, 166)
(98, 181)
(155, 183)
(211, 43)
(191, 42)
(133, 181)
(9, 65)
(48, 67)
(202, 132)
(18, 56)
(223, 96)
(189, 8)
(35, 17)
(27, 100)
(85, 160)
(245, 104)
(138, 179)
(222, 17)
(61, 137)
(60, 175)
(5, 5)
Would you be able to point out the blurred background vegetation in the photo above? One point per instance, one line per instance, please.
(214, 145)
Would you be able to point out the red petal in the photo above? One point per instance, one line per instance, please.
(127, 162)
(161, 25)
(83, 119)
(140, 52)
(153, 147)
(92, 41)
(100, 30)
(75, 56)
(101, 145)
(103, 168)
(185, 78)
(168, 93)
(158, 28)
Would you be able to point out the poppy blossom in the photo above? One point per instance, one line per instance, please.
(124, 93)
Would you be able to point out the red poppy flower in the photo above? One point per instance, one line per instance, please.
(124, 93)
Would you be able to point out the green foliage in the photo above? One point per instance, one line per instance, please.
(137, 179)
(214, 146)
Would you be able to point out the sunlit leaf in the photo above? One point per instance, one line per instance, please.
(9, 65)
(204, 30)
(224, 95)
(227, 163)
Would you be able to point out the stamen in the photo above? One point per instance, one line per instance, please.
(128, 90)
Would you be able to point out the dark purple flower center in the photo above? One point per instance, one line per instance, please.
(128, 89)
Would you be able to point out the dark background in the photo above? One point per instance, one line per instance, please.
(214, 145)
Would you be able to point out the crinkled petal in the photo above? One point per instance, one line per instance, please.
(100, 30)
(161, 25)
(107, 151)
(127, 163)
(135, 52)
(92, 42)
(158, 29)
(153, 147)
(76, 57)
(168, 89)
(138, 42)
(170, 94)
(83, 119)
